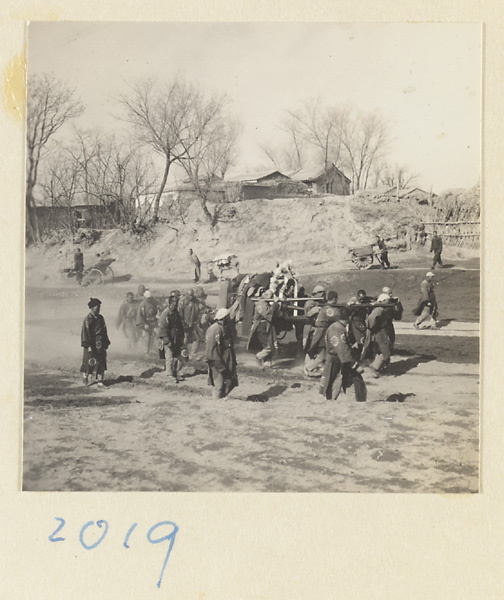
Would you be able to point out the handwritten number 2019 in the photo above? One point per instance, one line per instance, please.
(101, 524)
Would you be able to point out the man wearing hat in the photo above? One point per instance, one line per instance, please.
(340, 370)
(171, 332)
(146, 320)
(379, 324)
(426, 310)
(94, 341)
(263, 330)
(220, 356)
(315, 347)
(358, 315)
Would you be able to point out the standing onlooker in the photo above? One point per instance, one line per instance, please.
(95, 341)
(426, 310)
(437, 248)
(79, 265)
(197, 265)
(146, 318)
(220, 356)
(171, 332)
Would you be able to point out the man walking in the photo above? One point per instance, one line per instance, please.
(220, 356)
(383, 256)
(197, 265)
(171, 332)
(263, 329)
(79, 265)
(94, 341)
(437, 248)
(147, 320)
(340, 367)
(190, 313)
(379, 326)
(315, 347)
(427, 309)
(126, 319)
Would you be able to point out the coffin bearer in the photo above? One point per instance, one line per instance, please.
(263, 328)
(395, 312)
(126, 319)
(95, 341)
(340, 370)
(427, 309)
(315, 349)
(220, 356)
(146, 320)
(171, 332)
(437, 248)
(197, 265)
(79, 265)
(190, 312)
(379, 324)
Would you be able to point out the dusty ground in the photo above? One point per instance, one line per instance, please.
(417, 432)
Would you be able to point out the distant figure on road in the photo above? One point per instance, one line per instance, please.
(95, 341)
(437, 248)
(383, 256)
(220, 356)
(426, 310)
(126, 319)
(79, 265)
(197, 265)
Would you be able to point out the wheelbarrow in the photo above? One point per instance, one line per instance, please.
(363, 256)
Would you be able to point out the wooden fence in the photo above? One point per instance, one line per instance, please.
(456, 233)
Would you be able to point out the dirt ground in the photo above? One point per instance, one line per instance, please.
(417, 432)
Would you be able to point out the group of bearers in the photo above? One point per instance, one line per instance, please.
(174, 325)
(337, 338)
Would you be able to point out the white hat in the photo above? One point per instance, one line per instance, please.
(147, 294)
(383, 298)
(221, 314)
(387, 290)
(429, 274)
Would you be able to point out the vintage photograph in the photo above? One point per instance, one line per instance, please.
(252, 257)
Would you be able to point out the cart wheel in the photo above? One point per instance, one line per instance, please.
(109, 273)
(94, 277)
(363, 262)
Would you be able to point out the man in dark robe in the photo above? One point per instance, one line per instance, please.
(171, 332)
(197, 265)
(340, 370)
(383, 256)
(79, 265)
(220, 356)
(437, 248)
(94, 341)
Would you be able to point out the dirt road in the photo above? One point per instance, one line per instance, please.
(417, 432)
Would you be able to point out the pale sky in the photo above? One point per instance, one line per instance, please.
(424, 78)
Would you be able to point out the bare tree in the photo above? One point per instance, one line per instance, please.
(396, 175)
(99, 171)
(317, 126)
(210, 152)
(162, 116)
(365, 137)
(51, 103)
